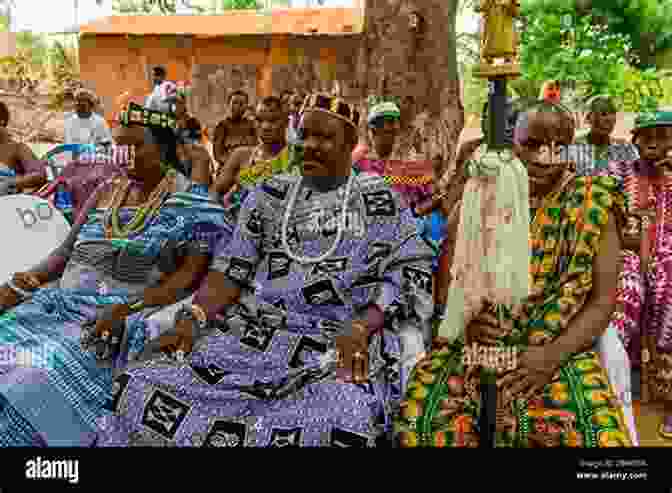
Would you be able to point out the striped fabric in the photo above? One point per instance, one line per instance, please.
(54, 392)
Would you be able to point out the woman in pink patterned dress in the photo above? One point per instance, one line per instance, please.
(644, 315)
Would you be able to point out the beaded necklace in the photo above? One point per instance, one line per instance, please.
(642, 200)
(147, 210)
(260, 169)
(339, 231)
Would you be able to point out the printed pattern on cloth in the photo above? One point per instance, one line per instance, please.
(262, 376)
(441, 407)
(55, 393)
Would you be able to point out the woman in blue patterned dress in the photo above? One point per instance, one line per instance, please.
(135, 246)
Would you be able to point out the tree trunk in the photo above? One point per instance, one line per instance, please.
(419, 67)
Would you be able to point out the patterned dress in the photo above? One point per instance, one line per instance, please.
(579, 406)
(51, 392)
(262, 376)
(641, 291)
(644, 294)
(414, 189)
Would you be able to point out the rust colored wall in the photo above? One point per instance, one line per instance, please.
(113, 64)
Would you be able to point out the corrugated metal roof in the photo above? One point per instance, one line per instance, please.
(333, 21)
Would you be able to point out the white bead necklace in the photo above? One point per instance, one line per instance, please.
(339, 232)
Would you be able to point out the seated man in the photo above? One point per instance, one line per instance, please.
(85, 126)
(19, 168)
(559, 394)
(117, 263)
(320, 252)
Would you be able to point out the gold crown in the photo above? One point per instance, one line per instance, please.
(333, 105)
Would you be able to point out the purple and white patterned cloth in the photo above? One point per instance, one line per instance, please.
(263, 376)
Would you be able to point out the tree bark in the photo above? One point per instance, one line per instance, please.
(420, 68)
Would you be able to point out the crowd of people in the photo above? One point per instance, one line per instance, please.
(285, 288)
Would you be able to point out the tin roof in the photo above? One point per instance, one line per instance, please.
(332, 21)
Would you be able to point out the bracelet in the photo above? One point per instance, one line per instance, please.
(21, 292)
(137, 306)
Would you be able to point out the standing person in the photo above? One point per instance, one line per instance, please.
(234, 131)
(386, 157)
(85, 126)
(19, 168)
(594, 149)
(156, 97)
(557, 393)
(643, 317)
(273, 362)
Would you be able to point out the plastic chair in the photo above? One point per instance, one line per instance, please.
(77, 180)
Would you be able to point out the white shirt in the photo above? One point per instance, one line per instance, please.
(92, 130)
(153, 101)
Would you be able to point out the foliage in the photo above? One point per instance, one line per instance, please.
(240, 4)
(555, 45)
(644, 23)
(64, 73)
(170, 7)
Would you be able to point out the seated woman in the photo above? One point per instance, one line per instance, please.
(558, 394)
(318, 250)
(120, 258)
(249, 166)
(19, 168)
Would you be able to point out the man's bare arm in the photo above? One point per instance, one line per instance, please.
(218, 143)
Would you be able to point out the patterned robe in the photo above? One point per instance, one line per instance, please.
(263, 376)
(579, 407)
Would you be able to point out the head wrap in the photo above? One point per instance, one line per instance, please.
(333, 105)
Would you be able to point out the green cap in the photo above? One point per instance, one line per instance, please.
(653, 119)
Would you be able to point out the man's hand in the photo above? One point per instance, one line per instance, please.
(353, 353)
(536, 368)
(485, 329)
